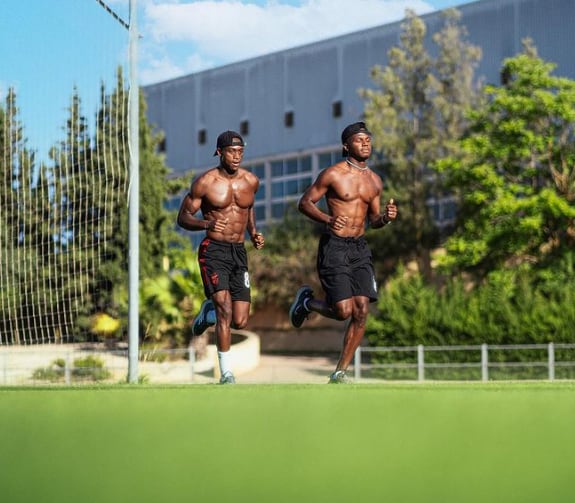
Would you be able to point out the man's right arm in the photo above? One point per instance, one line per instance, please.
(191, 204)
(308, 201)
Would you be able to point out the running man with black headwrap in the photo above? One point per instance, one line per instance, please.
(225, 195)
(344, 262)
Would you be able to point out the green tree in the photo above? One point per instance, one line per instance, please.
(17, 165)
(516, 179)
(417, 112)
(157, 222)
(156, 225)
(157, 234)
(67, 222)
(71, 222)
(168, 302)
(112, 158)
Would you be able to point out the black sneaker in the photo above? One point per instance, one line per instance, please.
(339, 377)
(228, 378)
(201, 323)
(298, 312)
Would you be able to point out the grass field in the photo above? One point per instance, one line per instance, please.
(493, 442)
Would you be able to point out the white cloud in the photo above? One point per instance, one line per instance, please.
(183, 37)
(158, 69)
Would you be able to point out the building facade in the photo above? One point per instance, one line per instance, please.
(291, 106)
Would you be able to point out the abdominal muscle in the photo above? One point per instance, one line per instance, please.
(355, 212)
(235, 229)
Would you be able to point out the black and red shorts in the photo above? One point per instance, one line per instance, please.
(224, 266)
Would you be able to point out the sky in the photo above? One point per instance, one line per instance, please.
(48, 48)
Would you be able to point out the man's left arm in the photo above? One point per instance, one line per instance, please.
(256, 237)
(377, 219)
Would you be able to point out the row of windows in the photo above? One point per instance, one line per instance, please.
(278, 212)
(244, 129)
(289, 122)
(284, 181)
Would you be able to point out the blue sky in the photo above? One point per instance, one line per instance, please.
(50, 46)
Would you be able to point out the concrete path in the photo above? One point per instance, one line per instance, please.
(274, 369)
(17, 365)
(280, 369)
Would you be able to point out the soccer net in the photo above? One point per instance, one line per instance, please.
(64, 164)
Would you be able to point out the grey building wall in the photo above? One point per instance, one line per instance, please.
(308, 80)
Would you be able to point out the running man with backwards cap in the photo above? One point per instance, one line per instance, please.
(225, 195)
(344, 261)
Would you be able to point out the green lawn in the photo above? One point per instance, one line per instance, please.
(493, 442)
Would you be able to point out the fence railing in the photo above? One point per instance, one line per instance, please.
(71, 364)
(54, 365)
(68, 365)
(466, 362)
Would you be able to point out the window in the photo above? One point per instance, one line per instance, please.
(259, 170)
(444, 209)
(304, 183)
(202, 136)
(288, 119)
(162, 145)
(326, 160)
(436, 209)
(305, 164)
(261, 193)
(449, 210)
(293, 187)
(260, 213)
(336, 109)
(290, 166)
(277, 168)
(245, 127)
(277, 189)
(278, 210)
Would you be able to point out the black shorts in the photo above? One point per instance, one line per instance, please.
(224, 266)
(345, 268)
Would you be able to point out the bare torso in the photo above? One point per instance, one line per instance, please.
(351, 194)
(228, 198)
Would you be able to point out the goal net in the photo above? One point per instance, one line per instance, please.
(64, 165)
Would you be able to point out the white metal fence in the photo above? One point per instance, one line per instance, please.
(65, 365)
(71, 365)
(466, 362)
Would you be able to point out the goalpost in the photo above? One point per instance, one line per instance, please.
(69, 166)
(134, 260)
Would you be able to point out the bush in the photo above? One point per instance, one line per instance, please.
(54, 373)
(519, 306)
(89, 368)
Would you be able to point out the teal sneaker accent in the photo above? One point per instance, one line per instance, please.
(201, 322)
(228, 378)
(297, 311)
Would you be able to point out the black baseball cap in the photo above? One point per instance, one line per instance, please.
(229, 139)
(349, 131)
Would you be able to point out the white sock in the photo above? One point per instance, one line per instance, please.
(224, 359)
